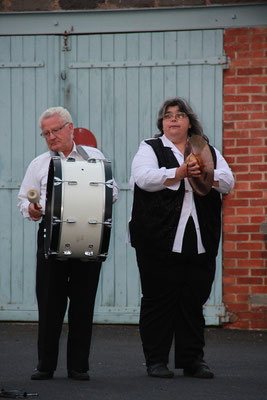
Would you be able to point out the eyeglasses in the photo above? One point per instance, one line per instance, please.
(178, 115)
(55, 131)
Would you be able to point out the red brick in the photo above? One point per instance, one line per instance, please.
(259, 80)
(231, 90)
(242, 298)
(256, 62)
(260, 98)
(229, 263)
(229, 298)
(236, 271)
(249, 71)
(249, 263)
(259, 272)
(248, 228)
(251, 315)
(261, 202)
(235, 237)
(258, 254)
(249, 125)
(238, 99)
(248, 107)
(258, 185)
(250, 159)
(245, 134)
(249, 246)
(258, 289)
(238, 47)
(236, 289)
(233, 80)
(236, 254)
(258, 133)
(238, 62)
(258, 167)
(257, 220)
(248, 177)
(229, 246)
(236, 150)
(253, 55)
(229, 280)
(259, 324)
(249, 281)
(248, 89)
(230, 107)
(229, 228)
(238, 325)
(249, 194)
(236, 32)
(259, 150)
(239, 307)
(240, 168)
(258, 31)
(236, 220)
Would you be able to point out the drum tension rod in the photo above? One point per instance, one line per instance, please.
(68, 220)
(109, 183)
(107, 223)
(58, 181)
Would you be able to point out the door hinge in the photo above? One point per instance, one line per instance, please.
(226, 64)
(66, 41)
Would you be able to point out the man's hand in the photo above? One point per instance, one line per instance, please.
(35, 211)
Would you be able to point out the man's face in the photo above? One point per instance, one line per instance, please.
(60, 140)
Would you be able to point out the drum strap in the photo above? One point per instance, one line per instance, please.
(82, 152)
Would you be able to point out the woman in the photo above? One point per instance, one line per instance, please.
(176, 234)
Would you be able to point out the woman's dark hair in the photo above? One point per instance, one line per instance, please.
(196, 127)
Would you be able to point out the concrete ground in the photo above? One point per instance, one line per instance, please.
(117, 370)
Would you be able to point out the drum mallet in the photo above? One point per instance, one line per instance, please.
(33, 197)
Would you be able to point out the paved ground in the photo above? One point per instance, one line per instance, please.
(238, 358)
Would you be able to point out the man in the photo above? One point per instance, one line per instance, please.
(57, 281)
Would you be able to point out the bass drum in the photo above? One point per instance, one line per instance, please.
(78, 213)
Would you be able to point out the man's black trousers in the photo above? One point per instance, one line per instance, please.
(56, 283)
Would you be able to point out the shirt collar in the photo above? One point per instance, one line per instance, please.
(167, 143)
(73, 151)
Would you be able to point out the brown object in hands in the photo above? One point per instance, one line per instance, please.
(197, 149)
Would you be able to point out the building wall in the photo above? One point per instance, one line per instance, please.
(245, 148)
(58, 5)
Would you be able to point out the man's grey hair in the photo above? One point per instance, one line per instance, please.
(61, 111)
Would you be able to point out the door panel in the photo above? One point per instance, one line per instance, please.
(112, 84)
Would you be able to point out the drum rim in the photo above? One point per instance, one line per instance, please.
(53, 195)
(106, 231)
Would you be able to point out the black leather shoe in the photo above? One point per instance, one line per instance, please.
(78, 376)
(159, 371)
(42, 375)
(199, 369)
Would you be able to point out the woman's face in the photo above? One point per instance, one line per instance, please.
(175, 125)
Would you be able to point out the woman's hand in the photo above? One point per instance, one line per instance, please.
(193, 167)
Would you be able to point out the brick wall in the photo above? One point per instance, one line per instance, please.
(245, 148)
(56, 5)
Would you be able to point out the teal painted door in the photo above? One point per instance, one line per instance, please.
(112, 84)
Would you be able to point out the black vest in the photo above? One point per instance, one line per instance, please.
(155, 215)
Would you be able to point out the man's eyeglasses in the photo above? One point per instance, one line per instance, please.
(178, 115)
(55, 131)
